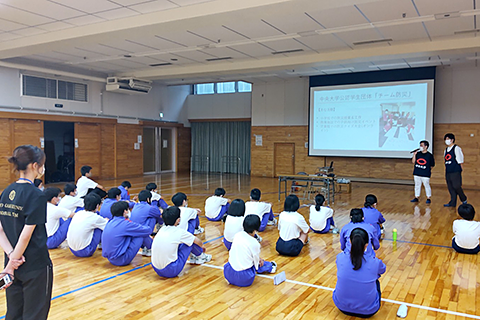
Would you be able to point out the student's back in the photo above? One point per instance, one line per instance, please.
(291, 224)
(373, 217)
(105, 208)
(318, 219)
(373, 243)
(145, 213)
(71, 203)
(233, 225)
(81, 229)
(118, 234)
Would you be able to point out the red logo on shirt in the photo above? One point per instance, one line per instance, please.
(448, 157)
(421, 161)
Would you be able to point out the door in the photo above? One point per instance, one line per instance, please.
(158, 150)
(166, 153)
(149, 150)
(284, 159)
(60, 152)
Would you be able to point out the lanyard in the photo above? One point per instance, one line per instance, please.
(25, 179)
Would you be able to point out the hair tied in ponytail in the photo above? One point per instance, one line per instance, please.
(358, 239)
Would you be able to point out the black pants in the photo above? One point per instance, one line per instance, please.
(28, 298)
(454, 184)
(291, 248)
(463, 250)
(359, 315)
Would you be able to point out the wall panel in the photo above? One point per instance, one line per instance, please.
(129, 161)
(184, 149)
(88, 152)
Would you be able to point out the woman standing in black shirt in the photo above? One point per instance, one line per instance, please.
(24, 239)
(422, 171)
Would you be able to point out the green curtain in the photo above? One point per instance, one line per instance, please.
(223, 143)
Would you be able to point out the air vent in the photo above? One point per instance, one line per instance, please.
(218, 59)
(362, 43)
(467, 31)
(160, 64)
(287, 51)
(447, 15)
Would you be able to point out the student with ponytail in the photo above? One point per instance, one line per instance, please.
(23, 238)
(321, 216)
(372, 215)
(357, 221)
(357, 292)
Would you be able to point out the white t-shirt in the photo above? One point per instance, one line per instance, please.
(290, 224)
(54, 214)
(233, 225)
(80, 231)
(244, 253)
(186, 214)
(83, 184)
(155, 196)
(458, 154)
(165, 245)
(71, 203)
(466, 233)
(318, 219)
(258, 208)
(213, 205)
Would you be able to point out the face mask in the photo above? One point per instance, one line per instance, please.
(129, 214)
(448, 142)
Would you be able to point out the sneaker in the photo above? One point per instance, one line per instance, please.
(146, 252)
(192, 259)
(272, 222)
(99, 247)
(335, 230)
(449, 205)
(414, 200)
(382, 230)
(274, 267)
(428, 201)
(203, 258)
(199, 230)
(259, 239)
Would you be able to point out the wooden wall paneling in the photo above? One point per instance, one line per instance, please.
(89, 150)
(108, 150)
(467, 137)
(5, 145)
(129, 161)
(284, 158)
(183, 149)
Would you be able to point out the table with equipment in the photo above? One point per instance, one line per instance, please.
(329, 182)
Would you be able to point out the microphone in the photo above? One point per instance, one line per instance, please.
(413, 151)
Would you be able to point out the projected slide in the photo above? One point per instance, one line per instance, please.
(370, 120)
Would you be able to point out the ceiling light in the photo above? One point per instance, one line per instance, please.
(219, 59)
(361, 43)
(287, 51)
(160, 64)
(337, 70)
(447, 15)
(467, 31)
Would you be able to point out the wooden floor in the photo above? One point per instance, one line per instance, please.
(422, 269)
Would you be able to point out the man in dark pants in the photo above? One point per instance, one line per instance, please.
(453, 170)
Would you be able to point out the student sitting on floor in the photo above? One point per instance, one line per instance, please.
(84, 183)
(216, 206)
(122, 238)
(188, 216)
(357, 292)
(125, 194)
(233, 221)
(244, 260)
(372, 215)
(58, 219)
(262, 209)
(321, 216)
(357, 221)
(293, 228)
(146, 214)
(85, 231)
(173, 245)
(466, 231)
(70, 201)
(113, 195)
(157, 199)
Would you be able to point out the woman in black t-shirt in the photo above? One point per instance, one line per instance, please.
(24, 239)
(422, 171)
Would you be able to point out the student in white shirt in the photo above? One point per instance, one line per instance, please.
(58, 219)
(467, 231)
(172, 247)
(188, 216)
(216, 206)
(84, 183)
(233, 221)
(70, 201)
(262, 209)
(244, 260)
(293, 228)
(85, 231)
(321, 216)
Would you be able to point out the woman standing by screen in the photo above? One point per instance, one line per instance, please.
(422, 171)
(23, 237)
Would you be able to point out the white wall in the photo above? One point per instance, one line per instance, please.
(220, 106)
(457, 99)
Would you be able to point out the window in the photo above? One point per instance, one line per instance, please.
(205, 88)
(244, 86)
(222, 87)
(51, 88)
(226, 87)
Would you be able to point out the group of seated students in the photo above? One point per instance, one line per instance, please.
(122, 227)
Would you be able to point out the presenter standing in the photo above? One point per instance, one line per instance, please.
(453, 170)
(422, 171)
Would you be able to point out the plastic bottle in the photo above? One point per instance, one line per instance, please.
(394, 234)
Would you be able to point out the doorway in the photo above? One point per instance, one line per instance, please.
(158, 150)
(284, 158)
(60, 151)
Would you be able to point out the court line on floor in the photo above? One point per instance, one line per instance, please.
(420, 243)
(412, 305)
